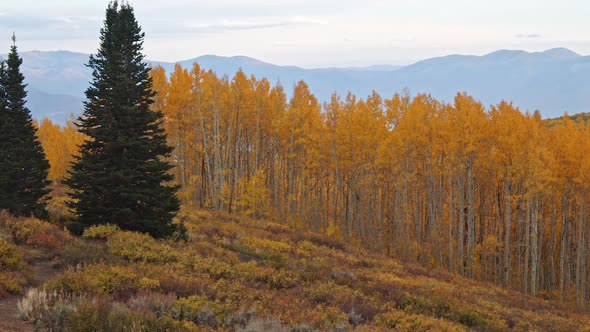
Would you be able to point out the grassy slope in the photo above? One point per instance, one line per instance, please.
(240, 273)
(383, 290)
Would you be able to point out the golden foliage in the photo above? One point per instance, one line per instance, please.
(10, 257)
(60, 145)
(409, 175)
(39, 234)
(244, 272)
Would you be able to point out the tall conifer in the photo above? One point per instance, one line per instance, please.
(121, 176)
(23, 167)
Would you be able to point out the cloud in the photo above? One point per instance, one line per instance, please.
(528, 36)
(43, 23)
(261, 23)
(30, 27)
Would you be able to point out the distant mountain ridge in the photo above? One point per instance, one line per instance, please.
(554, 81)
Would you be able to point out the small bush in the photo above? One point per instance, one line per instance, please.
(214, 268)
(315, 268)
(182, 285)
(197, 309)
(440, 308)
(276, 279)
(39, 234)
(157, 303)
(54, 311)
(240, 319)
(100, 232)
(400, 321)
(359, 310)
(138, 247)
(271, 259)
(104, 279)
(13, 270)
(122, 318)
(321, 240)
(263, 325)
(343, 277)
(46, 310)
(430, 307)
(90, 315)
(470, 319)
(270, 246)
(12, 282)
(57, 207)
(10, 258)
(84, 253)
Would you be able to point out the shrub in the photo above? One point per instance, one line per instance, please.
(214, 268)
(100, 232)
(270, 246)
(122, 318)
(343, 277)
(182, 285)
(359, 310)
(112, 279)
(105, 279)
(325, 292)
(157, 303)
(138, 247)
(46, 310)
(314, 268)
(91, 315)
(355, 318)
(197, 309)
(321, 240)
(54, 311)
(470, 319)
(83, 252)
(263, 324)
(13, 270)
(12, 283)
(240, 319)
(432, 307)
(399, 321)
(57, 207)
(271, 259)
(39, 234)
(10, 258)
(276, 279)
(23, 229)
(440, 308)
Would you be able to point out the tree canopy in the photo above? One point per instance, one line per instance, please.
(23, 167)
(121, 175)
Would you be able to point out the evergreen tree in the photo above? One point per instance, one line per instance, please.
(121, 174)
(23, 167)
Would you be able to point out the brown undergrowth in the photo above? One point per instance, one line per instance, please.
(236, 273)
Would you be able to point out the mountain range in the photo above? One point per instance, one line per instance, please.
(554, 81)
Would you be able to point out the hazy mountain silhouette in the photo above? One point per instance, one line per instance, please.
(554, 81)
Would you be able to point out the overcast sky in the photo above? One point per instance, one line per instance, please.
(309, 33)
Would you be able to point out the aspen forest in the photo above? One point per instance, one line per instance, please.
(402, 173)
(491, 193)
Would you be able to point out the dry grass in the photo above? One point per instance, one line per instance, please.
(237, 273)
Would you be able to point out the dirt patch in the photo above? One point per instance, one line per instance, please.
(9, 321)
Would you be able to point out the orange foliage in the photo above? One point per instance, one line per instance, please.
(60, 145)
(493, 194)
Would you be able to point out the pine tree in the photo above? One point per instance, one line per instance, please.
(121, 174)
(23, 167)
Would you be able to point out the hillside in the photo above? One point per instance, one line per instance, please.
(554, 81)
(236, 273)
(580, 118)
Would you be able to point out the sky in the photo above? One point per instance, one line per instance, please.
(308, 33)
